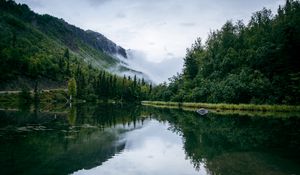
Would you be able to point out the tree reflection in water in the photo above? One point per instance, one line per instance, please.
(86, 136)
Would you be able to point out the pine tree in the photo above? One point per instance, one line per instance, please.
(134, 81)
(67, 57)
(72, 88)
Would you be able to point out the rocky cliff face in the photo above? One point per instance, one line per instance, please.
(100, 42)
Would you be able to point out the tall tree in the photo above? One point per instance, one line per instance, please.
(72, 88)
(190, 61)
(67, 57)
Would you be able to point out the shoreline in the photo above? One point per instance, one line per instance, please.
(223, 106)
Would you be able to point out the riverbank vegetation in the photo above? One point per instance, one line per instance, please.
(223, 106)
(255, 63)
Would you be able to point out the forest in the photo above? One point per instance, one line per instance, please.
(257, 63)
(41, 48)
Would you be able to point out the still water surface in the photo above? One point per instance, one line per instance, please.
(131, 140)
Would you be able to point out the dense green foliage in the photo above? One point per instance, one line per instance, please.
(25, 96)
(33, 45)
(103, 85)
(254, 63)
(44, 48)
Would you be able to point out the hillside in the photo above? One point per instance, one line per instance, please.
(256, 63)
(45, 47)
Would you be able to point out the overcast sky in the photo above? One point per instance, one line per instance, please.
(160, 29)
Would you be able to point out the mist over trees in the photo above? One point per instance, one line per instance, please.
(44, 48)
(256, 62)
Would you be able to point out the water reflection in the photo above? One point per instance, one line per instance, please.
(110, 139)
(152, 149)
(235, 144)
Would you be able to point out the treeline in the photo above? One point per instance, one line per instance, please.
(88, 83)
(92, 84)
(254, 63)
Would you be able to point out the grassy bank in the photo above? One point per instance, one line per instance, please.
(222, 106)
(46, 96)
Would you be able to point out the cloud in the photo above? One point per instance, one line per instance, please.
(188, 24)
(120, 15)
(169, 54)
(97, 2)
(32, 3)
(157, 71)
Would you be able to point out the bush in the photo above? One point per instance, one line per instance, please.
(25, 96)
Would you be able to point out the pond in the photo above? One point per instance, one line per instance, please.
(131, 140)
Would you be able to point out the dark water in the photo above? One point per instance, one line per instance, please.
(131, 140)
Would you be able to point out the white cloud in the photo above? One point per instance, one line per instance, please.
(157, 71)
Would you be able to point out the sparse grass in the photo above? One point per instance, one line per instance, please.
(49, 96)
(223, 106)
(236, 112)
(58, 95)
(50, 100)
(8, 97)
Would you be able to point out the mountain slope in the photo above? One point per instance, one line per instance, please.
(33, 45)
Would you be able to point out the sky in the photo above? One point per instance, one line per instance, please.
(159, 30)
